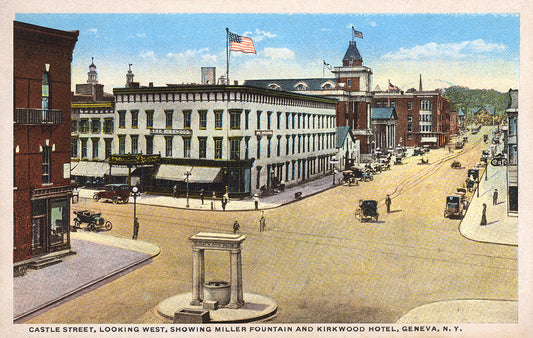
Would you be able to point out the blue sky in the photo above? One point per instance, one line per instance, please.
(473, 50)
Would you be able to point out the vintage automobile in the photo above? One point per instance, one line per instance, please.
(94, 220)
(368, 210)
(456, 206)
(484, 156)
(456, 165)
(465, 139)
(459, 145)
(114, 192)
(473, 173)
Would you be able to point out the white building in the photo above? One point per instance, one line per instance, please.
(237, 137)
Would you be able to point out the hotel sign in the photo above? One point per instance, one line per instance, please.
(182, 132)
(263, 132)
(133, 159)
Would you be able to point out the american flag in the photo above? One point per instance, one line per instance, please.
(357, 34)
(240, 43)
(392, 87)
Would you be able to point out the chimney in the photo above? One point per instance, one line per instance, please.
(150, 84)
(420, 85)
(236, 82)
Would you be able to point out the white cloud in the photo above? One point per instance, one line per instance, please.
(259, 35)
(433, 50)
(279, 53)
(149, 55)
(372, 23)
(140, 35)
(92, 31)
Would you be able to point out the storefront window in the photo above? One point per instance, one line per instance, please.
(59, 221)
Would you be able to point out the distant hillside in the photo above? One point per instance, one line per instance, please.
(467, 99)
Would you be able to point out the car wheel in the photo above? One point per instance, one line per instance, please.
(77, 223)
(115, 200)
(92, 226)
(125, 200)
(108, 225)
(96, 197)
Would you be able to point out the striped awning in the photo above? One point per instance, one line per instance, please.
(198, 174)
(90, 169)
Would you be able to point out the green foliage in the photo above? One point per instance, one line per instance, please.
(469, 99)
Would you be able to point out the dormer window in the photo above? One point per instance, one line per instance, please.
(274, 86)
(328, 85)
(301, 86)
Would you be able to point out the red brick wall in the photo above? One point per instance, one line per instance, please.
(34, 47)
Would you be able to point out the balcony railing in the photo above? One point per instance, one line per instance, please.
(38, 116)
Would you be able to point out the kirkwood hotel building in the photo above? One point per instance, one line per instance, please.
(227, 137)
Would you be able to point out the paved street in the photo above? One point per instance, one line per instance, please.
(315, 259)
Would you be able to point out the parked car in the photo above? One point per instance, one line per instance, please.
(114, 192)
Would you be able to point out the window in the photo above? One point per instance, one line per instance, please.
(349, 82)
(135, 119)
(84, 126)
(134, 144)
(187, 119)
(258, 147)
(187, 147)
(409, 105)
(46, 164)
(149, 119)
(425, 105)
(95, 148)
(287, 120)
(74, 147)
(286, 144)
(202, 147)
(122, 119)
(409, 136)
(409, 117)
(259, 119)
(218, 148)
(235, 148)
(74, 126)
(235, 119)
(278, 146)
(149, 144)
(45, 94)
(218, 119)
(202, 119)
(168, 119)
(246, 119)
(378, 104)
(393, 103)
(269, 118)
(95, 126)
(246, 149)
(409, 127)
(108, 145)
(83, 148)
(269, 146)
(279, 120)
(108, 126)
(168, 146)
(122, 144)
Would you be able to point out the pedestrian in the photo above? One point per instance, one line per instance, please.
(202, 196)
(256, 201)
(484, 215)
(262, 222)
(236, 227)
(213, 198)
(495, 197)
(174, 189)
(388, 203)
(225, 200)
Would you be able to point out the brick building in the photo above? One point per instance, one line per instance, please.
(423, 116)
(41, 191)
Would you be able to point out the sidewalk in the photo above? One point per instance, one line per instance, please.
(501, 228)
(98, 258)
(307, 189)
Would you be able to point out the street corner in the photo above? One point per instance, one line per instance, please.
(463, 311)
(120, 242)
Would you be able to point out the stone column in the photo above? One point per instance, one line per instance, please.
(236, 298)
(198, 275)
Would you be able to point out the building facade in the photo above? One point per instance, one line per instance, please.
(423, 116)
(41, 191)
(511, 146)
(92, 130)
(218, 138)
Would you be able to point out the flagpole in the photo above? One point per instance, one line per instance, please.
(388, 94)
(227, 55)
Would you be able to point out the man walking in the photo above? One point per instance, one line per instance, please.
(174, 189)
(256, 201)
(262, 222)
(388, 203)
(202, 196)
(495, 197)
(236, 227)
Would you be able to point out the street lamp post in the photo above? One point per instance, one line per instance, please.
(135, 193)
(187, 174)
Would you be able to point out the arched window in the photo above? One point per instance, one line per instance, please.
(274, 86)
(301, 86)
(328, 85)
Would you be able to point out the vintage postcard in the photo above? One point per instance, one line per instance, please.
(265, 172)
